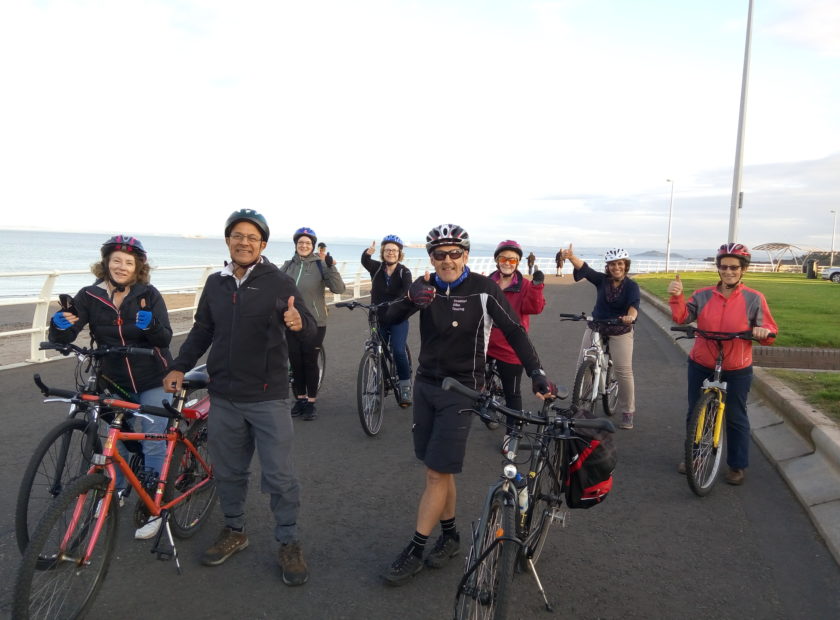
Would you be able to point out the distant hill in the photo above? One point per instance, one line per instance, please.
(657, 254)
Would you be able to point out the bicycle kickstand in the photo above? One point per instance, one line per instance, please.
(162, 553)
(533, 570)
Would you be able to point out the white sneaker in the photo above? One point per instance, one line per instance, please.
(149, 530)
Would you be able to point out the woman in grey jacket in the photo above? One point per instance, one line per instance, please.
(312, 277)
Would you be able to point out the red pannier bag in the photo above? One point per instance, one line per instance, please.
(591, 462)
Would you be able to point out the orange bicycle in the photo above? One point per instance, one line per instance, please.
(68, 555)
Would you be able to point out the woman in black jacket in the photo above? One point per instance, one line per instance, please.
(123, 309)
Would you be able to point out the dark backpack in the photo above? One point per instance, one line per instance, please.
(591, 462)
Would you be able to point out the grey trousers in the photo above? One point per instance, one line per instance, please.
(234, 429)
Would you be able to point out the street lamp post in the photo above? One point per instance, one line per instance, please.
(668, 240)
(833, 230)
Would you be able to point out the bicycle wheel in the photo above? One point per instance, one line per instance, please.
(545, 509)
(582, 394)
(53, 580)
(63, 455)
(485, 593)
(610, 397)
(185, 473)
(370, 392)
(702, 457)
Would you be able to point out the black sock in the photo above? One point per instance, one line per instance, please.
(418, 543)
(447, 527)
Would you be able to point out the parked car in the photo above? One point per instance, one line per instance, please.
(832, 274)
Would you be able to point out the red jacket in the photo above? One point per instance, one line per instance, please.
(526, 299)
(744, 309)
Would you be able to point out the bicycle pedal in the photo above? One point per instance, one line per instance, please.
(559, 516)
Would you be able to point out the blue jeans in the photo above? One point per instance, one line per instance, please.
(398, 335)
(738, 384)
(153, 451)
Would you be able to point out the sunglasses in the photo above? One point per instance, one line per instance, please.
(442, 254)
(507, 261)
(729, 267)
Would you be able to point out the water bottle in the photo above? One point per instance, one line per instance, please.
(521, 483)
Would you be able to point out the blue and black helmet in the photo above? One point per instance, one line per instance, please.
(392, 239)
(247, 215)
(305, 232)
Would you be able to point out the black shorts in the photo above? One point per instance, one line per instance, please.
(440, 429)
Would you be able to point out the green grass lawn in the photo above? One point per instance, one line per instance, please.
(820, 389)
(806, 311)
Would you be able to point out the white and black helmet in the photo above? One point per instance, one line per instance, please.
(447, 234)
(616, 254)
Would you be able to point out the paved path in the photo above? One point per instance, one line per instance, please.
(652, 550)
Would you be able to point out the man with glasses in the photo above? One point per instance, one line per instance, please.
(457, 309)
(246, 316)
(729, 306)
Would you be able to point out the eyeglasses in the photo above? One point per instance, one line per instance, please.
(504, 260)
(729, 267)
(239, 238)
(442, 254)
(390, 251)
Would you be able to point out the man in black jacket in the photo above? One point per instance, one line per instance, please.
(246, 312)
(457, 308)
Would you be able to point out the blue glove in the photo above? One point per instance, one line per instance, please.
(538, 278)
(144, 319)
(421, 293)
(60, 322)
(329, 261)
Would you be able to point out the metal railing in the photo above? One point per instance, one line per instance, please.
(354, 275)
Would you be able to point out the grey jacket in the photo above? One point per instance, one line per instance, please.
(312, 282)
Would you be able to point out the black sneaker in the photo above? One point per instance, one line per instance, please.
(298, 407)
(446, 547)
(404, 568)
(309, 412)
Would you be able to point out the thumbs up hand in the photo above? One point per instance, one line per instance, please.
(144, 317)
(675, 288)
(421, 291)
(291, 317)
(371, 249)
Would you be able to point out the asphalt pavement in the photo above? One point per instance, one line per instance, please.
(651, 550)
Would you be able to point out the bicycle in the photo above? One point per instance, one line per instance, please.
(377, 371)
(705, 441)
(65, 452)
(595, 377)
(68, 556)
(322, 368)
(493, 386)
(518, 511)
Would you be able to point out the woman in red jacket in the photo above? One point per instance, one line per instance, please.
(729, 306)
(526, 298)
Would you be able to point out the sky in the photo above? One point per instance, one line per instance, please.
(549, 122)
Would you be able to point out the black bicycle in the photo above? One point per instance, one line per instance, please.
(377, 371)
(66, 451)
(519, 509)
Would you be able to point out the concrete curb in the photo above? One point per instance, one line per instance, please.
(801, 441)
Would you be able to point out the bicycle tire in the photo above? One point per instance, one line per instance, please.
(485, 594)
(584, 382)
(370, 392)
(702, 459)
(51, 582)
(547, 498)
(610, 398)
(187, 517)
(63, 449)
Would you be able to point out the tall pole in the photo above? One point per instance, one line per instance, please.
(668, 240)
(833, 230)
(735, 203)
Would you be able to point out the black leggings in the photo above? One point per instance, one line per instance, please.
(305, 358)
(511, 376)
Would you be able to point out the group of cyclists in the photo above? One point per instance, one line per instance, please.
(258, 320)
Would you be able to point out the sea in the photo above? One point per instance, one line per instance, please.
(25, 251)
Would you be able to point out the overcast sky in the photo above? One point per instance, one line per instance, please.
(545, 121)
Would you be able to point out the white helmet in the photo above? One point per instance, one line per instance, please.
(616, 254)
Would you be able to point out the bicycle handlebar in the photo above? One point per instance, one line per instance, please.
(67, 349)
(585, 317)
(454, 385)
(691, 332)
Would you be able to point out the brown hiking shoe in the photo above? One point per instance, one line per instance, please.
(735, 476)
(228, 543)
(290, 557)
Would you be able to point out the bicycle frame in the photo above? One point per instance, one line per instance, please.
(719, 388)
(598, 352)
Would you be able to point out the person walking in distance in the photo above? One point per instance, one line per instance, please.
(457, 309)
(313, 274)
(559, 261)
(728, 306)
(246, 316)
(531, 260)
(389, 281)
